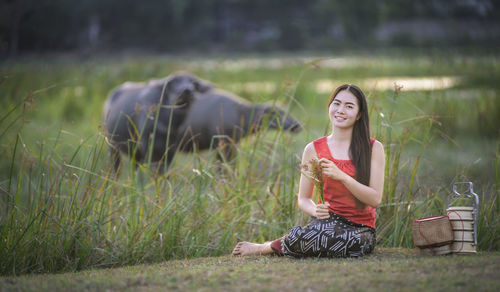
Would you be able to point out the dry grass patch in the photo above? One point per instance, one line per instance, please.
(386, 269)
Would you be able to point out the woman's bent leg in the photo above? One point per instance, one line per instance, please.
(333, 237)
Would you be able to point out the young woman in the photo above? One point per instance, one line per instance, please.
(352, 165)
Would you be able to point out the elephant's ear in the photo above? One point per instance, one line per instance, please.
(167, 86)
(167, 83)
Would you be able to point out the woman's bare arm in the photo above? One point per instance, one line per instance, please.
(306, 186)
(371, 194)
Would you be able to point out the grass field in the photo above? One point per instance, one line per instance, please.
(61, 209)
(388, 269)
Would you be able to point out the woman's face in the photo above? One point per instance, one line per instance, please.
(344, 110)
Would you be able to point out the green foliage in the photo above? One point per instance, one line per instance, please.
(482, 118)
(62, 209)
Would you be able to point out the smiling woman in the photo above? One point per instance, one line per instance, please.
(352, 166)
(343, 110)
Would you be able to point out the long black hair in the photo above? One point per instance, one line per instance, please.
(360, 149)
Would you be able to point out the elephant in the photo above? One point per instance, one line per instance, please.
(141, 119)
(217, 118)
(151, 121)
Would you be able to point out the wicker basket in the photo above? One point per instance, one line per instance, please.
(432, 231)
(440, 250)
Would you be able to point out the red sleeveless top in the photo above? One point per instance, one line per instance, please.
(342, 201)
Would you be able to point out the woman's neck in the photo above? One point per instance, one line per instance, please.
(339, 143)
(340, 135)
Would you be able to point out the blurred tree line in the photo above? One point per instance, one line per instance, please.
(242, 25)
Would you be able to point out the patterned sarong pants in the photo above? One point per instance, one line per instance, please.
(332, 237)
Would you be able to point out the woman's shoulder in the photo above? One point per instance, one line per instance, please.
(309, 151)
(376, 143)
(311, 146)
(377, 147)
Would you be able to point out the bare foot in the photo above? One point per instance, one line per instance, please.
(249, 248)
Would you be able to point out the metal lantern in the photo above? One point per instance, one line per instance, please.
(464, 220)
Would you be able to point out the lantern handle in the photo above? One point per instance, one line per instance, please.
(470, 194)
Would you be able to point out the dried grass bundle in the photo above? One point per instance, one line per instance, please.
(314, 172)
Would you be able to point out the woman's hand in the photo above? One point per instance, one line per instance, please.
(331, 170)
(321, 211)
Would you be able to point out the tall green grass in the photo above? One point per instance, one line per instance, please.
(68, 215)
(62, 209)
